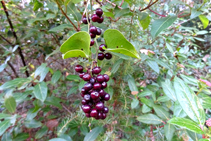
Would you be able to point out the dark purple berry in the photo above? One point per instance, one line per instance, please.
(100, 78)
(95, 18)
(102, 93)
(100, 56)
(106, 97)
(96, 100)
(100, 19)
(103, 115)
(93, 30)
(108, 56)
(81, 74)
(95, 95)
(101, 47)
(100, 106)
(97, 117)
(87, 97)
(105, 110)
(93, 113)
(86, 108)
(83, 91)
(106, 77)
(88, 115)
(92, 35)
(83, 101)
(100, 115)
(99, 12)
(97, 86)
(98, 31)
(92, 42)
(84, 20)
(96, 70)
(87, 77)
(88, 86)
(78, 68)
(104, 85)
(82, 95)
(92, 80)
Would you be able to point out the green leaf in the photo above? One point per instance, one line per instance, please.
(54, 101)
(178, 111)
(163, 64)
(76, 1)
(6, 137)
(2, 67)
(72, 90)
(169, 131)
(153, 65)
(204, 20)
(60, 28)
(194, 136)
(187, 124)
(21, 137)
(132, 84)
(116, 66)
(15, 83)
(65, 136)
(163, 99)
(40, 69)
(41, 132)
(189, 101)
(169, 48)
(40, 91)
(10, 104)
(161, 112)
(168, 89)
(57, 139)
(2, 116)
(44, 73)
(56, 76)
(146, 92)
(73, 77)
(4, 125)
(91, 136)
(37, 5)
(116, 42)
(77, 45)
(148, 102)
(194, 13)
(145, 108)
(145, 22)
(149, 119)
(32, 124)
(134, 103)
(190, 80)
(161, 24)
(206, 101)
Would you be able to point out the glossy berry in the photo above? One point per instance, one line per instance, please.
(98, 31)
(86, 108)
(78, 68)
(92, 35)
(88, 86)
(83, 91)
(93, 30)
(106, 77)
(95, 18)
(108, 56)
(103, 115)
(104, 85)
(95, 95)
(92, 42)
(100, 115)
(81, 74)
(99, 12)
(84, 20)
(88, 115)
(102, 93)
(86, 77)
(101, 47)
(97, 86)
(100, 106)
(105, 110)
(100, 56)
(83, 101)
(92, 80)
(96, 70)
(87, 97)
(93, 113)
(100, 20)
(106, 97)
(100, 78)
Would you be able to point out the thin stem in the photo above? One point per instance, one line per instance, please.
(96, 50)
(13, 69)
(87, 15)
(156, 13)
(66, 108)
(6, 40)
(67, 16)
(148, 6)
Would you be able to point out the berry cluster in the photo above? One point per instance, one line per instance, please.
(93, 92)
(97, 17)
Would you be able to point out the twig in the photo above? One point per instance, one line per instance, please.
(151, 133)
(67, 16)
(148, 6)
(114, 4)
(156, 13)
(6, 40)
(15, 35)
(183, 15)
(66, 108)
(100, 3)
(121, 3)
(13, 69)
